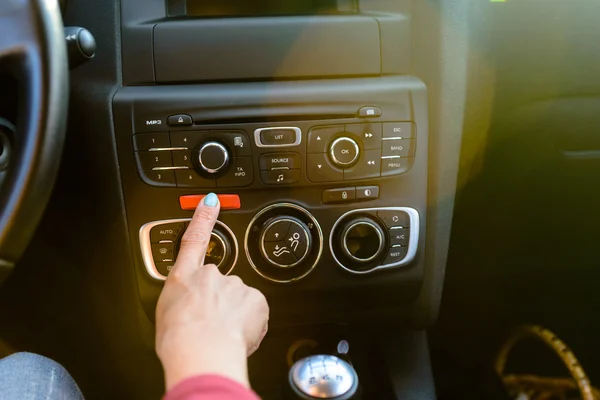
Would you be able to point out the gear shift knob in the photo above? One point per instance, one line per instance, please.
(323, 377)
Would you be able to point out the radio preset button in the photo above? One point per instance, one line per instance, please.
(147, 141)
(189, 178)
(188, 139)
(158, 178)
(153, 159)
(182, 158)
(344, 152)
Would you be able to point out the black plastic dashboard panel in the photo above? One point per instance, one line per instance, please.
(267, 47)
(328, 293)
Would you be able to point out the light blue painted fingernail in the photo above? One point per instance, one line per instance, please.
(211, 200)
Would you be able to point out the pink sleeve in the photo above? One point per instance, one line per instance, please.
(210, 387)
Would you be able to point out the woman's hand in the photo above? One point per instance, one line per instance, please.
(206, 323)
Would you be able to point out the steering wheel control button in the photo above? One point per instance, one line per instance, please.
(147, 141)
(320, 137)
(398, 147)
(319, 169)
(164, 252)
(369, 166)
(278, 137)
(343, 195)
(395, 255)
(189, 178)
(395, 165)
(213, 157)
(279, 254)
(240, 173)
(344, 152)
(280, 177)
(394, 218)
(188, 140)
(158, 178)
(237, 141)
(267, 162)
(153, 159)
(369, 134)
(367, 193)
(369, 112)
(182, 158)
(167, 232)
(404, 130)
(277, 231)
(227, 201)
(399, 236)
(180, 120)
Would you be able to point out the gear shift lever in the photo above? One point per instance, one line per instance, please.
(323, 377)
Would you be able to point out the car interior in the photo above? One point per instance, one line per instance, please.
(412, 184)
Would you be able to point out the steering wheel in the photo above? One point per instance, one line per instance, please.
(33, 52)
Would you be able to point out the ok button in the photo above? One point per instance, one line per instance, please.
(344, 152)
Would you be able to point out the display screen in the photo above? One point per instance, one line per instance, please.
(220, 8)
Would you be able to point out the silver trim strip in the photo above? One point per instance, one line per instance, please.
(313, 220)
(168, 168)
(146, 246)
(167, 148)
(332, 151)
(413, 241)
(278, 169)
(392, 138)
(264, 251)
(295, 129)
(389, 157)
(381, 242)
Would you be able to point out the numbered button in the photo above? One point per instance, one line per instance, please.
(153, 159)
(158, 178)
(147, 141)
(182, 158)
(189, 178)
(342, 195)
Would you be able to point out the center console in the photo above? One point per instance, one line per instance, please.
(304, 118)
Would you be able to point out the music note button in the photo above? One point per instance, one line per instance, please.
(280, 176)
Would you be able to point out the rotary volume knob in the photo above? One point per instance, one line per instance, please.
(213, 157)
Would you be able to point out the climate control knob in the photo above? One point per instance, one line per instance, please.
(362, 240)
(213, 157)
(285, 241)
(344, 152)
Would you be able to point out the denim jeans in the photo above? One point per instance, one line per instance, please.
(26, 376)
